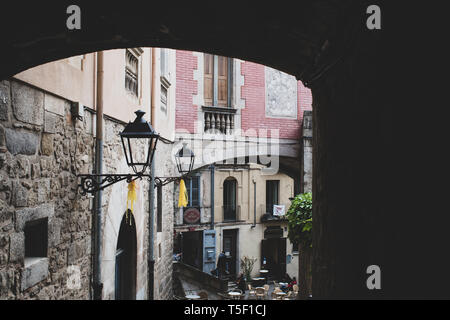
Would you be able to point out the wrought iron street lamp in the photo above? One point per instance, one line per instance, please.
(137, 136)
(185, 160)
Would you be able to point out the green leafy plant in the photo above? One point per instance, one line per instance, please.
(299, 218)
(247, 264)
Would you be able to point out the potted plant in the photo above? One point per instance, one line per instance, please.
(247, 264)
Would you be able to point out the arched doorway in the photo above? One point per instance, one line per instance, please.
(125, 279)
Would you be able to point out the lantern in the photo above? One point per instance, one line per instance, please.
(139, 143)
(185, 160)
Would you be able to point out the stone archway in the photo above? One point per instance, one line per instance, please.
(366, 144)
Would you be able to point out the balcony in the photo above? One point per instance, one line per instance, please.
(267, 214)
(217, 119)
(231, 213)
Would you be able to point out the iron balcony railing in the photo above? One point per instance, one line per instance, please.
(231, 213)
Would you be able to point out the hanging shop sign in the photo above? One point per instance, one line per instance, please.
(192, 215)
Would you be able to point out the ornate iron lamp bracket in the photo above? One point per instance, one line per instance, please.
(162, 181)
(91, 183)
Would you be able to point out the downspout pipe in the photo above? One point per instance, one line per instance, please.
(254, 203)
(151, 194)
(212, 168)
(98, 285)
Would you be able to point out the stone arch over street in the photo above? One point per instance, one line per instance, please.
(362, 148)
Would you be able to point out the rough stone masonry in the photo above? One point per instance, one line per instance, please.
(41, 151)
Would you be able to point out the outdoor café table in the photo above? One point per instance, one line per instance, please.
(283, 285)
(258, 281)
(192, 297)
(234, 295)
(280, 295)
(264, 273)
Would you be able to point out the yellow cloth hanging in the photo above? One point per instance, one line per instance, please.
(132, 196)
(183, 198)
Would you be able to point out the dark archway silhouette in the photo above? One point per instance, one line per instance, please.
(126, 259)
(371, 141)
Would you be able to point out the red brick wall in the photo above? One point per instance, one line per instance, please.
(254, 114)
(253, 92)
(186, 88)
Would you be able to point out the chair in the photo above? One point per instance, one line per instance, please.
(274, 295)
(203, 295)
(288, 295)
(251, 291)
(295, 290)
(260, 293)
(266, 289)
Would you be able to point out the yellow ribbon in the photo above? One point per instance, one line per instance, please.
(132, 197)
(183, 198)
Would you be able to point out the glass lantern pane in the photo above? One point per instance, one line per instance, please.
(137, 150)
(184, 164)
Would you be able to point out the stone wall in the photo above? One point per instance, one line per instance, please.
(41, 151)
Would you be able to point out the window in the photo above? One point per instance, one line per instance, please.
(217, 80)
(295, 248)
(229, 200)
(272, 194)
(36, 238)
(132, 71)
(193, 191)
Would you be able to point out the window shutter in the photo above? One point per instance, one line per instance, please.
(222, 90)
(208, 79)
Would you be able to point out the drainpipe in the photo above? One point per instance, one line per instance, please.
(212, 168)
(151, 200)
(254, 203)
(98, 286)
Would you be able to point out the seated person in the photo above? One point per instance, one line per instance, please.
(291, 284)
(286, 281)
(241, 282)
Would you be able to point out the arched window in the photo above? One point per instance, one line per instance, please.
(229, 200)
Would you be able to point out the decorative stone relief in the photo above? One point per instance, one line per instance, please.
(281, 94)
